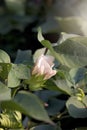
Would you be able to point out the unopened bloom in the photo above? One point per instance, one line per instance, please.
(44, 66)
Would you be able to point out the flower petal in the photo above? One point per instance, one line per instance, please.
(43, 66)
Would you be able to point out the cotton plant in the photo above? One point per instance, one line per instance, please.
(34, 89)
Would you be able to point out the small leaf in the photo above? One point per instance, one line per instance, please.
(40, 37)
(76, 108)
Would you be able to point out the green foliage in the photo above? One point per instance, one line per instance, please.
(70, 51)
(44, 102)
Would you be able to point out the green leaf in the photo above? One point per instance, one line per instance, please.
(21, 71)
(38, 53)
(46, 127)
(62, 84)
(51, 85)
(28, 104)
(5, 93)
(76, 108)
(64, 36)
(73, 52)
(44, 42)
(45, 95)
(24, 57)
(13, 80)
(4, 70)
(54, 106)
(77, 74)
(40, 37)
(4, 57)
(18, 72)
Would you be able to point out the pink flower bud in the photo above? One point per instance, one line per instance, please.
(44, 66)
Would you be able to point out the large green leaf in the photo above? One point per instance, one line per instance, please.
(28, 104)
(77, 108)
(72, 52)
